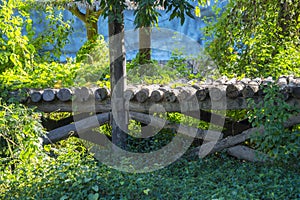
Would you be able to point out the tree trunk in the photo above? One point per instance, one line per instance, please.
(145, 44)
(118, 80)
(91, 29)
(91, 23)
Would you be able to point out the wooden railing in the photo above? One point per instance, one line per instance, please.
(192, 100)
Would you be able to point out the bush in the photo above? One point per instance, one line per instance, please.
(258, 40)
(42, 75)
(19, 133)
(280, 143)
(149, 73)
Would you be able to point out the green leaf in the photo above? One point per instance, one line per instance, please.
(197, 11)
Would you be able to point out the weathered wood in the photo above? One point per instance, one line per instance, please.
(145, 92)
(217, 93)
(186, 93)
(71, 129)
(117, 74)
(49, 94)
(257, 80)
(171, 95)
(267, 81)
(285, 93)
(130, 92)
(36, 96)
(101, 94)
(245, 80)
(234, 90)
(245, 153)
(82, 94)
(162, 123)
(292, 81)
(221, 80)
(157, 95)
(64, 94)
(250, 89)
(201, 94)
(282, 81)
(50, 124)
(296, 92)
(234, 140)
(105, 106)
(230, 127)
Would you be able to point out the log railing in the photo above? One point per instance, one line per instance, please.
(195, 100)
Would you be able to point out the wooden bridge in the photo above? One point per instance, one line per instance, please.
(192, 100)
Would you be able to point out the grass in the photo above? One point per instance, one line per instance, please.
(214, 177)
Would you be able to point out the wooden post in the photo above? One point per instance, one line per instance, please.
(118, 76)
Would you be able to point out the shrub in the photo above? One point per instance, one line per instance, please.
(19, 133)
(252, 40)
(277, 141)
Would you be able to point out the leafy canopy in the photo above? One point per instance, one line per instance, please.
(256, 38)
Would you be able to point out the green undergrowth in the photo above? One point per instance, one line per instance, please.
(74, 175)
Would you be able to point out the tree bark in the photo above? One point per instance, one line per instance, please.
(91, 30)
(145, 44)
(118, 77)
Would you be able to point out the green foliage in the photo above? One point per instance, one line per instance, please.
(271, 113)
(19, 45)
(93, 57)
(178, 61)
(149, 73)
(19, 132)
(255, 39)
(42, 75)
(15, 48)
(74, 176)
(54, 35)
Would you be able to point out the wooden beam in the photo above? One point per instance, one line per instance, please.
(234, 140)
(162, 123)
(245, 153)
(105, 106)
(72, 129)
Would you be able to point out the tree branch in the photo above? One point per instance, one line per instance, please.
(75, 11)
